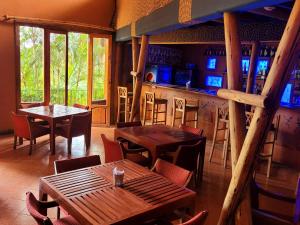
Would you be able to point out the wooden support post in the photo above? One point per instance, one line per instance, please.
(252, 67)
(276, 81)
(135, 57)
(237, 119)
(135, 109)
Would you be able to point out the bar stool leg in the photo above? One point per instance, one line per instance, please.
(152, 113)
(166, 111)
(118, 112)
(126, 110)
(214, 137)
(226, 143)
(196, 118)
(174, 113)
(145, 112)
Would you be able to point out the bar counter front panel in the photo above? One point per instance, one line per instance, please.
(287, 149)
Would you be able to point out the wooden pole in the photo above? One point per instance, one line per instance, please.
(252, 67)
(135, 109)
(276, 81)
(135, 57)
(237, 119)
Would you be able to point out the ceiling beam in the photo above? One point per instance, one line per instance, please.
(276, 13)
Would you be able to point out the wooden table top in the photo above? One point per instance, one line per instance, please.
(157, 137)
(89, 195)
(59, 111)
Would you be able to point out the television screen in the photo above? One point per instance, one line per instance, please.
(245, 65)
(262, 65)
(213, 81)
(211, 63)
(286, 96)
(182, 76)
(164, 74)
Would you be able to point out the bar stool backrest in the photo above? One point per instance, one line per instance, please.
(122, 92)
(223, 113)
(149, 97)
(179, 104)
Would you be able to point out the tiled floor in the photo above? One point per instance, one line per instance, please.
(20, 173)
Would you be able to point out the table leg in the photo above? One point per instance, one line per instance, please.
(52, 136)
(43, 197)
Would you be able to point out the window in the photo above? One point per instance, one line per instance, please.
(31, 64)
(100, 49)
(78, 68)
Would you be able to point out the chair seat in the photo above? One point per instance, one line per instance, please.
(191, 107)
(161, 101)
(68, 220)
(138, 158)
(39, 130)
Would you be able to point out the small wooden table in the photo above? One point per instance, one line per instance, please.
(59, 113)
(157, 138)
(89, 195)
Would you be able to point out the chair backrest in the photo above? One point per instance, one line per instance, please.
(129, 124)
(174, 173)
(149, 97)
(122, 92)
(179, 104)
(32, 205)
(80, 124)
(30, 105)
(81, 106)
(112, 150)
(199, 219)
(66, 165)
(21, 125)
(186, 156)
(196, 131)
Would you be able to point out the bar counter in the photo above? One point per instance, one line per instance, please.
(287, 149)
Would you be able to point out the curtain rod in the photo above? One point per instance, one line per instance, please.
(39, 21)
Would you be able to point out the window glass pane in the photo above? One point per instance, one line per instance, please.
(32, 65)
(78, 68)
(99, 66)
(57, 68)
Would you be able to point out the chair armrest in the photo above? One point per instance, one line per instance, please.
(46, 205)
(275, 195)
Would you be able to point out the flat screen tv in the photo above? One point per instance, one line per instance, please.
(211, 63)
(262, 65)
(286, 96)
(182, 76)
(245, 65)
(214, 81)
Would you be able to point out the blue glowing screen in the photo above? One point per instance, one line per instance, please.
(262, 64)
(214, 81)
(286, 96)
(211, 63)
(245, 65)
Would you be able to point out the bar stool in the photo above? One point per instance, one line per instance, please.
(124, 103)
(222, 117)
(271, 139)
(154, 103)
(180, 105)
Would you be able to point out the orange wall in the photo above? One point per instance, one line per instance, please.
(97, 12)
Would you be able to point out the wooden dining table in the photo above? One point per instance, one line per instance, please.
(91, 198)
(157, 138)
(59, 113)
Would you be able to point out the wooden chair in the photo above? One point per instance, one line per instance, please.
(271, 140)
(81, 106)
(221, 118)
(124, 103)
(35, 207)
(174, 173)
(181, 106)
(152, 105)
(77, 126)
(261, 215)
(66, 165)
(115, 151)
(189, 157)
(196, 131)
(25, 128)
